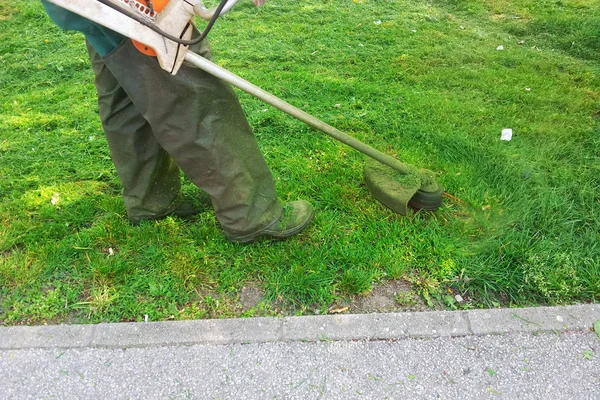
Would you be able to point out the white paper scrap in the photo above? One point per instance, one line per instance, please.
(506, 134)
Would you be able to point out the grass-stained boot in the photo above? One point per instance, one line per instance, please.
(296, 216)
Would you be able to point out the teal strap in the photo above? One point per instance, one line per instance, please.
(102, 39)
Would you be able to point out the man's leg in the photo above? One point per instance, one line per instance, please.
(198, 120)
(150, 177)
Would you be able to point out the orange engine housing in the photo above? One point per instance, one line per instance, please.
(157, 6)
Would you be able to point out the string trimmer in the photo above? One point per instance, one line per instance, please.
(163, 28)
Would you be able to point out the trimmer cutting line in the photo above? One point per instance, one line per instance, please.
(164, 28)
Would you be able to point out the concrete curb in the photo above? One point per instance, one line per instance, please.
(309, 328)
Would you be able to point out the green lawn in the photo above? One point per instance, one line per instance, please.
(422, 81)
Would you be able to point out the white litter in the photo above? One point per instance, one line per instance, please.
(378, 22)
(506, 134)
(527, 89)
(111, 252)
(459, 298)
(145, 317)
(559, 318)
(500, 47)
(55, 199)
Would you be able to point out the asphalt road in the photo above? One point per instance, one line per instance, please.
(538, 353)
(512, 366)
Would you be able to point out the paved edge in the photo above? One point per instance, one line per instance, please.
(390, 326)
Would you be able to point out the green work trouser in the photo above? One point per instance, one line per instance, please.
(156, 123)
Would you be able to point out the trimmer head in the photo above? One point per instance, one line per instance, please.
(399, 191)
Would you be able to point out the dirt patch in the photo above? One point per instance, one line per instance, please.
(388, 296)
(392, 296)
(251, 296)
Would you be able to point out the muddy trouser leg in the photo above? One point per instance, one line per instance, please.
(150, 177)
(198, 120)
